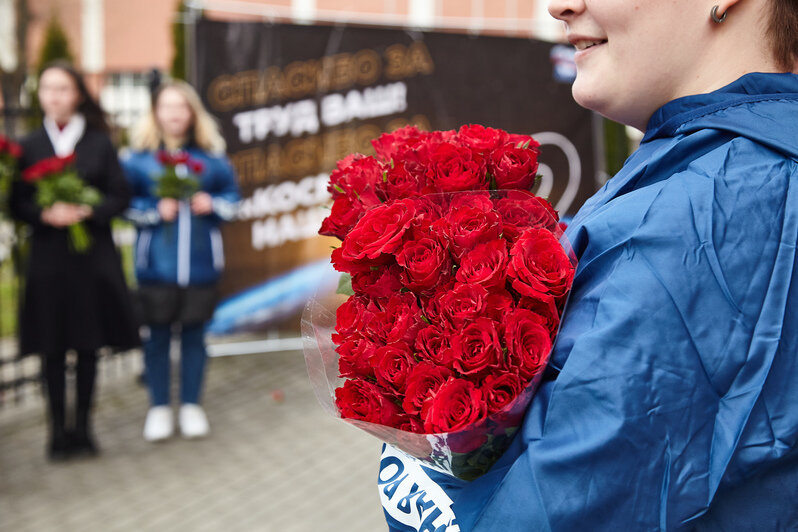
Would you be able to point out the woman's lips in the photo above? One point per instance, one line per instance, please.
(586, 46)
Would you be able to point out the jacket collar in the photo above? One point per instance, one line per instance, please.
(65, 140)
(751, 88)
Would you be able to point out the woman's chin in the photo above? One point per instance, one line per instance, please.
(586, 95)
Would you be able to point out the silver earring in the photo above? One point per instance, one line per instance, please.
(715, 17)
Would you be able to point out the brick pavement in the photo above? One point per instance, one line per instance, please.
(268, 465)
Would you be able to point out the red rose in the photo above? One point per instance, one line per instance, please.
(477, 348)
(456, 405)
(390, 145)
(476, 200)
(433, 344)
(426, 263)
(486, 264)
(15, 150)
(522, 141)
(379, 231)
(379, 283)
(452, 168)
(172, 159)
(355, 266)
(468, 226)
(356, 357)
(10, 147)
(521, 210)
(423, 381)
(359, 178)
(359, 399)
(400, 183)
(538, 265)
(514, 168)
(499, 303)
(428, 211)
(195, 166)
(47, 167)
(392, 365)
(415, 425)
(343, 217)
(480, 138)
(500, 390)
(528, 343)
(349, 315)
(546, 308)
(454, 307)
(353, 317)
(398, 321)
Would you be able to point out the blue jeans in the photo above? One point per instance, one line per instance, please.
(192, 363)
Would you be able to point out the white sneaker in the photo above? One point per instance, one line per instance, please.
(193, 421)
(159, 424)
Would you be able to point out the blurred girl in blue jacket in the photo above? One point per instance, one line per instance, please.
(179, 255)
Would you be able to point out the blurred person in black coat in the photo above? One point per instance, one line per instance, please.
(73, 301)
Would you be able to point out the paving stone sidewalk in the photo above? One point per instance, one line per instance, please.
(269, 465)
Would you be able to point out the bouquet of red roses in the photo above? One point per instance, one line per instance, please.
(57, 180)
(457, 277)
(9, 153)
(179, 179)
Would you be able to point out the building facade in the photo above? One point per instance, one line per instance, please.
(118, 43)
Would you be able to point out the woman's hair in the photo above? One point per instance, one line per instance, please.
(203, 132)
(783, 32)
(88, 106)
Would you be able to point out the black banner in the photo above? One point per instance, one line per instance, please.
(292, 100)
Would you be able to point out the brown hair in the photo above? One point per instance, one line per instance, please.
(204, 131)
(783, 32)
(88, 106)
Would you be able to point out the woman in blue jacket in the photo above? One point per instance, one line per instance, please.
(179, 255)
(673, 401)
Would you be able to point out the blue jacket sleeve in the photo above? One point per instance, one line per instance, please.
(226, 194)
(676, 357)
(143, 210)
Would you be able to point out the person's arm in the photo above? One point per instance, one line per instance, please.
(143, 209)
(677, 373)
(226, 197)
(116, 196)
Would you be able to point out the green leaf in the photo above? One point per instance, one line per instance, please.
(345, 285)
(339, 189)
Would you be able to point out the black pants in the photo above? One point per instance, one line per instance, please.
(54, 373)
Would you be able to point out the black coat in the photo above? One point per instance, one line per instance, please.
(73, 300)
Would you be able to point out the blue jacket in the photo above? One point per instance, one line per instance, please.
(676, 402)
(188, 251)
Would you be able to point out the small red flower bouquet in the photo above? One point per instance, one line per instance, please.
(9, 153)
(457, 277)
(179, 180)
(57, 180)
